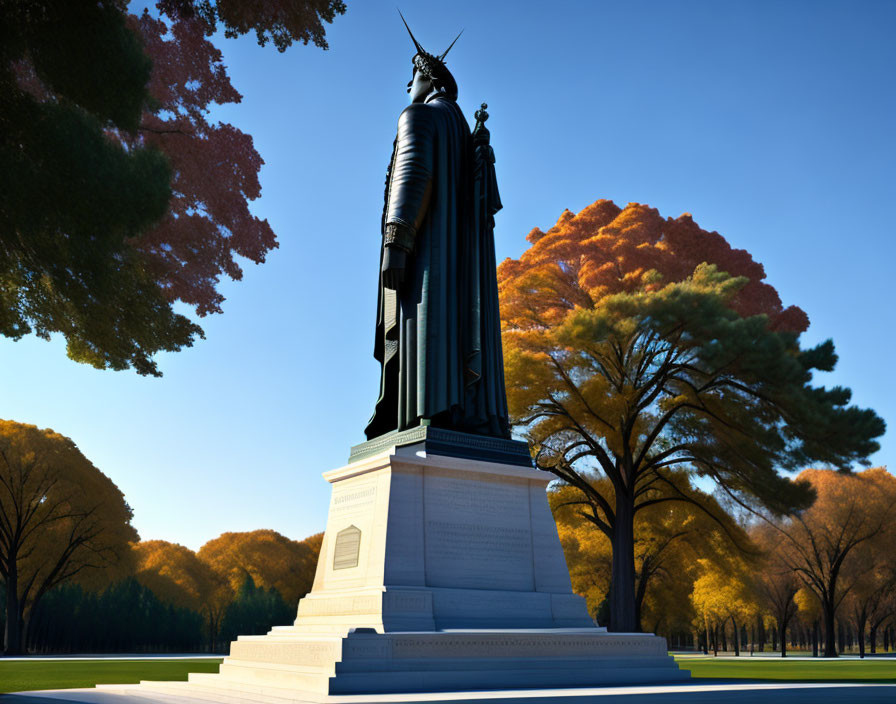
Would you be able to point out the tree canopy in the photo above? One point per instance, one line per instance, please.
(118, 197)
(669, 541)
(271, 560)
(174, 574)
(60, 519)
(637, 346)
(836, 546)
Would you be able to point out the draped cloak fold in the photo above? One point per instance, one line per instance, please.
(438, 338)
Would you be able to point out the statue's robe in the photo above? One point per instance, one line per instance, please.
(438, 337)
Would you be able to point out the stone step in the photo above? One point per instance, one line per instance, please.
(453, 680)
(289, 634)
(261, 690)
(480, 663)
(276, 675)
(227, 692)
(164, 692)
(152, 693)
(286, 682)
(319, 654)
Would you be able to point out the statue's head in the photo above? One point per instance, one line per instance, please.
(430, 77)
(430, 73)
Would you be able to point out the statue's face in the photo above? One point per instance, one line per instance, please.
(419, 87)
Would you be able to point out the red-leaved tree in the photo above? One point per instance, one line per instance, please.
(119, 196)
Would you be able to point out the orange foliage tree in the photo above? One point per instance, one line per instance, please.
(635, 345)
(723, 593)
(61, 519)
(776, 583)
(269, 558)
(670, 538)
(825, 544)
(174, 573)
(177, 576)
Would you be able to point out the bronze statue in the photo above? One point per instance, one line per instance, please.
(438, 336)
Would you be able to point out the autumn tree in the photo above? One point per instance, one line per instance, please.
(823, 544)
(60, 519)
(177, 576)
(722, 593)
(280, 22)
(868, 603)
(776, 582)
(872, 570)
(636, 346)
(809, 613)
(118, 197)
(669, 539)
(880, 598)
(269, 558)
(173, 573)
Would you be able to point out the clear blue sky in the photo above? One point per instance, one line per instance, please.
(773, 123)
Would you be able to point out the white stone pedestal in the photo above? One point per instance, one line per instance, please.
(437, 573)
(419, 542)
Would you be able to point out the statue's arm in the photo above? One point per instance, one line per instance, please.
(411, 176)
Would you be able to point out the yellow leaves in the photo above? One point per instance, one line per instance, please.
(722, 591)
(212, 577)
(588, 554)
(57, 507)
(271, 559)
(854, 505)
(174, 574)
(807, 604)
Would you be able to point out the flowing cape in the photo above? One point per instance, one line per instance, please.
(438, 338)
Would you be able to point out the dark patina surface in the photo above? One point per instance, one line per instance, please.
(438, 336)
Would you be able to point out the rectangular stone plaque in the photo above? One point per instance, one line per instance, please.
(347, 549)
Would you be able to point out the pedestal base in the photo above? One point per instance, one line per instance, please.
(438, 572)
(288, 664)
(424, 541)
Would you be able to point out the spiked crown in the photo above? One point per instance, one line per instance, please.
(432, 66)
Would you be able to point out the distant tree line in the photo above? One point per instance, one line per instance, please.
(128, 616)
(821, 580)
(74, 576)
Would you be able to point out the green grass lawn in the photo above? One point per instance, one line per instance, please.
(872, 670)
(21, 676)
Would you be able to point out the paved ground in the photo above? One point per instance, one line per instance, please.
(711, 693)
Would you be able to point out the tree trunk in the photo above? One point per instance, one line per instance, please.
(736, 637)
(12, 636)
(783, 637)
(830, 630)
(815, 638)
(872, 638)
(760, 627)
(860, 632)
(622, 586)
(640, 591)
